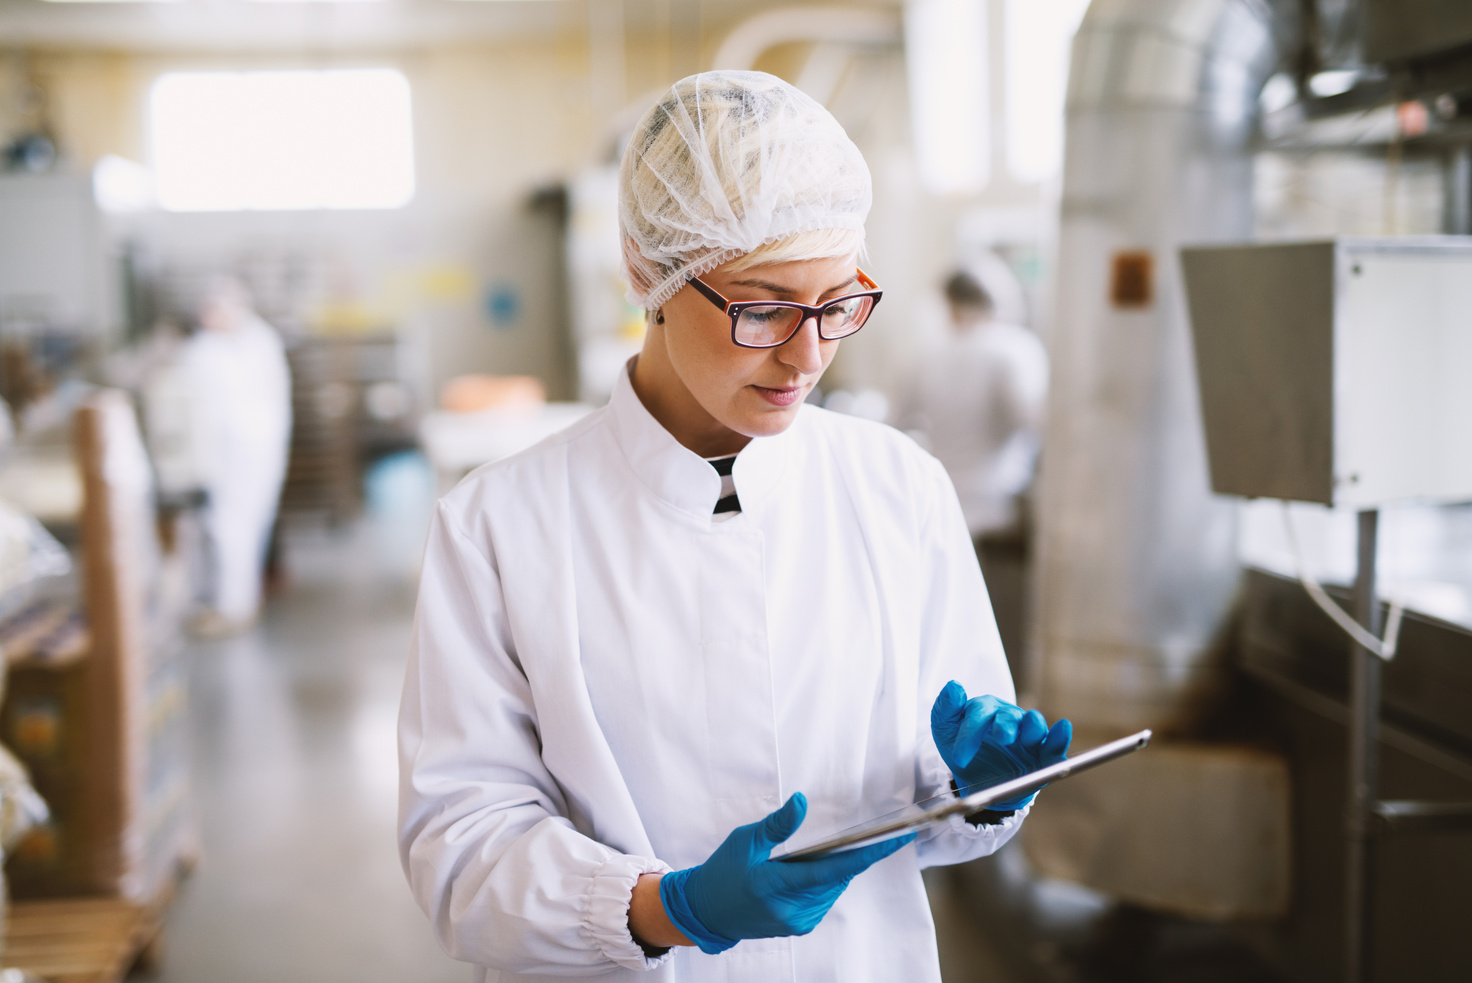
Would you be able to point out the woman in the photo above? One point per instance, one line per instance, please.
(652, 648)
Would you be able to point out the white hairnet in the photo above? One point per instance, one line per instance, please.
(725, 163)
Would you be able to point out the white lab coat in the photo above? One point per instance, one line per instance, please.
(604, 682)
(979, 403)
(243, 395)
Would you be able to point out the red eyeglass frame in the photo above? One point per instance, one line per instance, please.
(733, 309)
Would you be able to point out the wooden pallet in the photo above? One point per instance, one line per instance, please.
(81, 940)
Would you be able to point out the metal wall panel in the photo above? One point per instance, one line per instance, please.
(1404, 30)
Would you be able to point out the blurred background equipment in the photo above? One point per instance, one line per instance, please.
(1375, 331)
(417, 197)
(350, 404)
(94, 708)
(1137, 564)
(52, 272)
(977, 405)
(468, 393)
(484, 418)
(1337, 377)
(1145, 617)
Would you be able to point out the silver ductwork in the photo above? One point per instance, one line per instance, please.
(751, 37)
(1136, 558)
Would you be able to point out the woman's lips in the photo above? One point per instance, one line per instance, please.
(780, 397)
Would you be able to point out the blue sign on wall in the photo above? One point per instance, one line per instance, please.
(503, 305)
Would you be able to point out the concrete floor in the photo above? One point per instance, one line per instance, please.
(966, 956)
(295, 785)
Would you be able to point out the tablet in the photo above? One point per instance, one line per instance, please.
(933, 811)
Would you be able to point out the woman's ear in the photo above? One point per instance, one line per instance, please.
(659, 315)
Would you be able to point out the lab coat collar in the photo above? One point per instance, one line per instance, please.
(683, 478)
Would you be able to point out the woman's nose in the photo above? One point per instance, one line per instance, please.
(801, 350)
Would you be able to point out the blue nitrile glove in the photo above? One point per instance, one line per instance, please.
(986, 740)
(738, 893)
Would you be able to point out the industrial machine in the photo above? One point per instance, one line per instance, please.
(1214, 123)
(1335, 372)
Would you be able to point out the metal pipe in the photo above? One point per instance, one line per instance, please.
(750, 38)
(1136, 558)
(1364, 766)
(1409, 817)
(1456, 214)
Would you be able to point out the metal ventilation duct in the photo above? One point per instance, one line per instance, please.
(1137, 560)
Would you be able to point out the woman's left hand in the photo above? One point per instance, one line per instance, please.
(985, 741)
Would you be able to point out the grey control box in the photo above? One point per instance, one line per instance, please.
(1337, 371)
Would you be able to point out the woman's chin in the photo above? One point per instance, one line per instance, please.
(768, 421)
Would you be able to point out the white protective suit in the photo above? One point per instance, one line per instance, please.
(979, 401)
(604, 682)
(243, 392)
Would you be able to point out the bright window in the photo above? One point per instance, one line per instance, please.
(946, 52)
(247, 141)
(1039, 36)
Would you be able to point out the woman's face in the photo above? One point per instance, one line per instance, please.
(714, 395)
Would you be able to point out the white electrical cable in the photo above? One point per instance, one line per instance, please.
(1385, 649)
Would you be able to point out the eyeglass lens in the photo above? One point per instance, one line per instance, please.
(768, 326)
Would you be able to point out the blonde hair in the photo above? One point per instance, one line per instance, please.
(816, 244)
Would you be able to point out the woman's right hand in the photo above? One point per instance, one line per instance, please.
(740, 893)
(986, 740)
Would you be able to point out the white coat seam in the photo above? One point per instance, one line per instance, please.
(485, 621)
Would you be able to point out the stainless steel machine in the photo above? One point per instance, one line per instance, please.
(1336, 372)
(1180, 114)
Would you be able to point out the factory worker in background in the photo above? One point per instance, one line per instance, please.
(708, 620)
(242, 393)
(977, 404)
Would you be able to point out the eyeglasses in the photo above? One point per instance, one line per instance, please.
(772, 323)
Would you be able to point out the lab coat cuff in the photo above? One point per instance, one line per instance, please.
(606, 909)
(959, 825)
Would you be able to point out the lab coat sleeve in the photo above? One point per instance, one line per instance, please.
(506, 880)
(958, 640)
